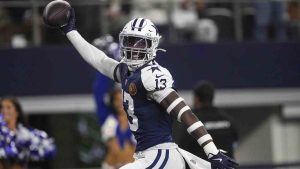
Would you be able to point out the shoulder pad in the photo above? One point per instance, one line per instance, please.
(155, 77)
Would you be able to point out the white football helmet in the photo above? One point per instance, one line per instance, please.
(139, 40)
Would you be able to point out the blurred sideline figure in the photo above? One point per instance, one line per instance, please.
(271, 13)
(102, 84)
(190, 26)
(184, 19)
(217, 122)
(206, 31)
(116, 134)
(20, 144)
(115, 131)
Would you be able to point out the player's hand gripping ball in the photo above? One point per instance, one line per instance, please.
(57, 13)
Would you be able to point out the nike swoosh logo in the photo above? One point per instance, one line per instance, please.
(218, 159)
(158, 76)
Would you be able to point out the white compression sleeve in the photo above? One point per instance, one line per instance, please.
(92, 55)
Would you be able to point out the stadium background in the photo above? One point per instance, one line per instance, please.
(258, 80)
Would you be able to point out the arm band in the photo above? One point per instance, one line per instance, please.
(184, 109)
(194, 126)
(174, 103)
(204, 139)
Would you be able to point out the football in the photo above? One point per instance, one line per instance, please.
(57, 13)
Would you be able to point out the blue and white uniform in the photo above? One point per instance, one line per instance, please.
(149, 99)
(143, 90)
(150, 124)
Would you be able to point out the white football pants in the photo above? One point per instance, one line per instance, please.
(162, 156)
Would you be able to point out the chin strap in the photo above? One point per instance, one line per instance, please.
(160, 49)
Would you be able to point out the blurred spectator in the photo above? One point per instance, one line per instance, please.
(156, 11)
(118, 13)
(18, 28)
(206, 31)
(271, 13)
(217, 123)
(5, 25)
(184, 19)
(153, 10)
(294, 20)
(20, 144)
(18, 41)
(215, 21)
(247, 11)
(191, 24)
(117, 135)
(200, 8)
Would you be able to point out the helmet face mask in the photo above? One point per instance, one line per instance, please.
(136, 50)
(138, 44)
(135, 42)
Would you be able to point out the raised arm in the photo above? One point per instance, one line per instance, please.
(90, 53)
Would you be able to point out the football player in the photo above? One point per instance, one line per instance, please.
(149, 98)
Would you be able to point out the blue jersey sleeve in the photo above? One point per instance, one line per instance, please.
(102, 84)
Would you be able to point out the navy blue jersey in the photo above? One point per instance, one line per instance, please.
(148, 121)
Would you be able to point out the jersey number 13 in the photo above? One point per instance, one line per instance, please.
(129, 106)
